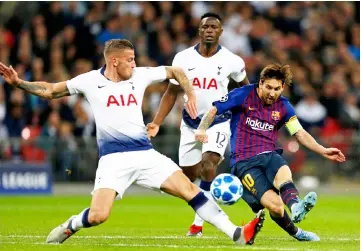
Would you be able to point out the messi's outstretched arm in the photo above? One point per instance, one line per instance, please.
(206, 121)
(308, 141)
(295, 128)
(41, 89)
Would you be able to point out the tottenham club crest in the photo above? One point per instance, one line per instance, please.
(224, 98)
(276, 115)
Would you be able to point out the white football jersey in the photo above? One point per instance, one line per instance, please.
(117, 107)
(209, 76)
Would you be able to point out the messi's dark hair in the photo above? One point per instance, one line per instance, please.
(277, 71)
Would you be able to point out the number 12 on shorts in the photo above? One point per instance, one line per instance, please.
(221, 137)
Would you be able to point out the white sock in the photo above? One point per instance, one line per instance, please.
(198, 221)
(214, 215)
(293, 206)
(77, 222)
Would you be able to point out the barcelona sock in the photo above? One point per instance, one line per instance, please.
(285, 223)
(289, 194)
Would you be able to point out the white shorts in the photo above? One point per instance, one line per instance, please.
(190, 150)
(147, 168)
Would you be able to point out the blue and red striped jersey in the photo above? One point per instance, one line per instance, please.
(254, 126)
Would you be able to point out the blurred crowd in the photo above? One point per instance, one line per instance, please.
(56, 41)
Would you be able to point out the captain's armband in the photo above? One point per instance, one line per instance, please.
(293, 125)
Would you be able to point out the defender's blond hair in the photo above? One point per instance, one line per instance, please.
(117, 44)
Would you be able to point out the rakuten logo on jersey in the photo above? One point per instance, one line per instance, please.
(259, 125)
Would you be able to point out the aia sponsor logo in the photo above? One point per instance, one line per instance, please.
(123, 100)
(205, 83)
(259, 125)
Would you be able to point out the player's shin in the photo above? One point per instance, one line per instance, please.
(81, 220)
(213, 214)
(285, 223)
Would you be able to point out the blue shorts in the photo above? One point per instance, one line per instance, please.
(257, 175)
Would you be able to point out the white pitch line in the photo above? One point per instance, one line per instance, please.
(163, 237)
(171, 246)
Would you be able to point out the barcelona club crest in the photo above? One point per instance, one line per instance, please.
(276, 115)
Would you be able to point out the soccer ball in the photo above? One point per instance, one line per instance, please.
(226, 189)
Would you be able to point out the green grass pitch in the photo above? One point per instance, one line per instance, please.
(161, 222)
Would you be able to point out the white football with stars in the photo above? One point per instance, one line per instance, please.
(226, 189)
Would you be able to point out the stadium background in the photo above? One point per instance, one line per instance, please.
(55, 41)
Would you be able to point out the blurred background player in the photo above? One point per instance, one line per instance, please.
(210, 67)
(258, 112)
(126, 155)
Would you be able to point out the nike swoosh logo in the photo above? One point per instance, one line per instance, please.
(191, 69)
(101, 86)
(252, 109)
(219, 67)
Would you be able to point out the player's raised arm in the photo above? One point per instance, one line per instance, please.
(178, 74)
(308, 141)
(41, 89)
(295, 128)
